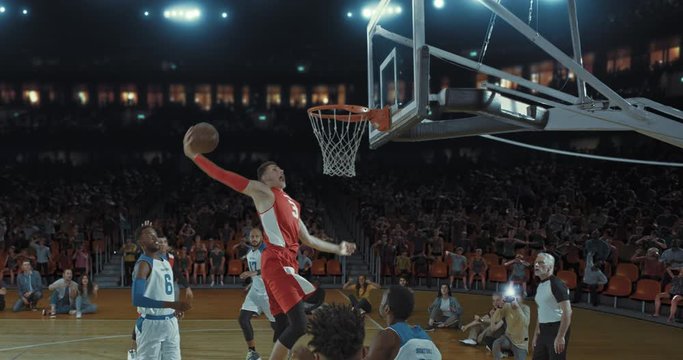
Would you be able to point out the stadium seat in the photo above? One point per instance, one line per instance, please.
(235, 268)
(646, 290)
(628, 270)
(569, 278)
(498, 274)
(439, 270)
(318, 267)
(334, 269)
(492, 259)
(618, 286)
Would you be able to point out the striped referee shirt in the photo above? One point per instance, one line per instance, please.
(550, 293)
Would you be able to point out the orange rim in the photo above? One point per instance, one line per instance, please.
(381, 118)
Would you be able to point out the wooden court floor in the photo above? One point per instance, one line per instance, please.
(210, 331)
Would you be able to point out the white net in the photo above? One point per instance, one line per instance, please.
(339, 133)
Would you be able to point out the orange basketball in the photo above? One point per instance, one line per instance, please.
(204, 138)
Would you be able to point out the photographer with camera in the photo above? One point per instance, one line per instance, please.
(517, 317)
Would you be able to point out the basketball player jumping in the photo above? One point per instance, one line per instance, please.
(153, 294)
(256, 301)
(283, 229)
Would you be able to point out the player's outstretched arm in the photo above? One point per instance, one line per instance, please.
(237, 182)
(139, 298)
(345, 248)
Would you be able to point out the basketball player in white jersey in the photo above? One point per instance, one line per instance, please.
(401, 341)
(256, 301)
(154, 295)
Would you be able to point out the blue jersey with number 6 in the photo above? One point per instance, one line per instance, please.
(159, 284)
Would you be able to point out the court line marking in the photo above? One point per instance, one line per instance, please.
(112, 337)
(379, 327)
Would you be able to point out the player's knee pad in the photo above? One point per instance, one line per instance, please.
(245, 324)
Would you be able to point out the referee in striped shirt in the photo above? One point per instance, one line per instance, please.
(551, 337)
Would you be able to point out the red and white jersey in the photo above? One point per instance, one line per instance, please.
(281, 222)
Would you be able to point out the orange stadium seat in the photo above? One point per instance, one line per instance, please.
(491, 259)
(646, 290)
(235, 267)
(334, 269)
(318, 267)
(568, 277)
(618, 286)
(439, 270)
(628, 270)
(498, 274)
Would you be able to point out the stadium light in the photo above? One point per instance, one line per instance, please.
(300, 68)
(224, 15)
(439, 4)
(349, 14)
(146, 13)
(24, 12)
(183, 13)
(2, 9)
(368, 11)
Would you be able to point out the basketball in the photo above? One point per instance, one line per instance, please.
(204, 138)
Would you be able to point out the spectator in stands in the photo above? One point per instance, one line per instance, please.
(436, 245)
(458, 266)
(482, 330)
(403, 265)
(421, 262)
(186, 235)
(594, 278)
(130, 254)
(672, 259)
(651, 267)
(30, 288)
(217, 259)
(510, 243)
(3, 293)
(86, 291)
(362, 289)
(518, 273)
(386, 249)
(42, 256)
(650, 241)
(445, 311)
(478, 267)
(64, 293)
(11, 264)
(675, 294)
(410, 341)
(199, 256)
(183, 264)
(517, 316)
(337, 332)
(81, 261)
(305, 263)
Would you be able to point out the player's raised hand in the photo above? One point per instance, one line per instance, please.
(346, 248)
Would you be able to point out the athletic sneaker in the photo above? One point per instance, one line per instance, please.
(132, 354)
(468, 342)
(79, 315)
(253, 355)
(72, 312)
(430, 328)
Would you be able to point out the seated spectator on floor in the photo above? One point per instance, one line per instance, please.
(403, 281)
(64, 293)
(651, 268)
(675, 294)
(482, 327)
(337, 332)
(445, 311)
(458, 266)
(3, 292)
(361, 297)
(517, 317)
(478, 267)
(30, 288)
(86, 291)
(399, 340)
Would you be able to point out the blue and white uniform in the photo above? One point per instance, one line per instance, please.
(415, 343)
(157, 328)
(257, 298)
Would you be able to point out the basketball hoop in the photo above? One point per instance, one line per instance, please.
(339, 130)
